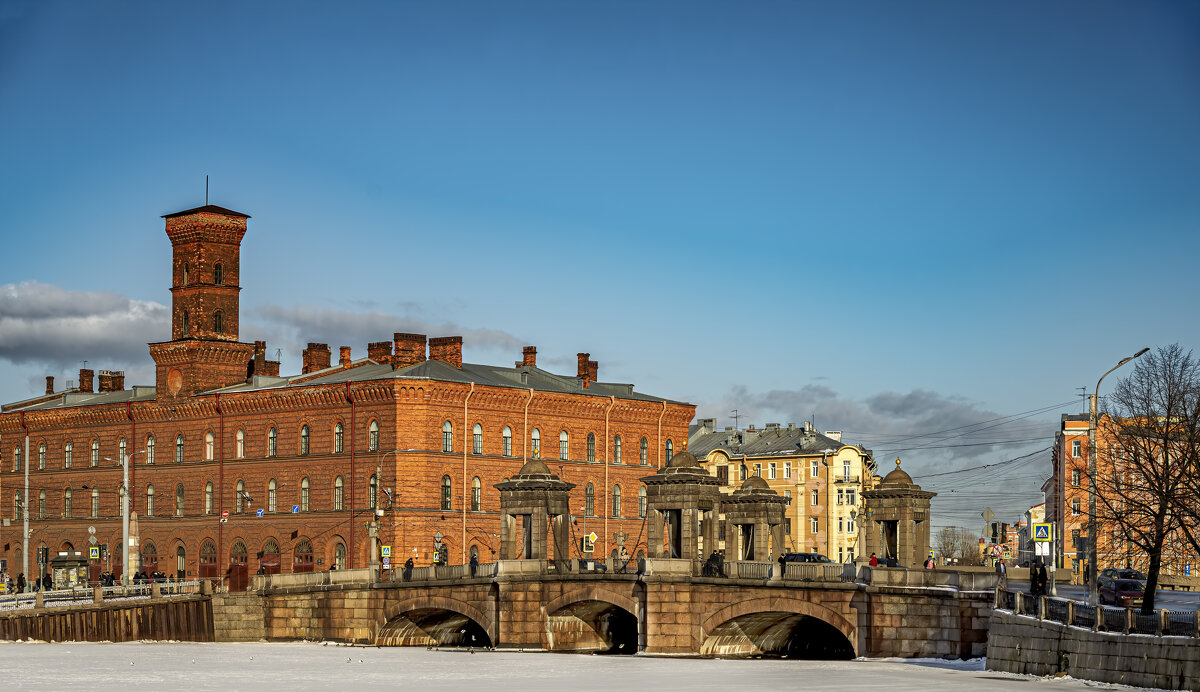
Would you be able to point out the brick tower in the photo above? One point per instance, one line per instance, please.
(204, 352)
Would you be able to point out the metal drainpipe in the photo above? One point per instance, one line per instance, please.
(660, 444)
(128, 463)
(350, 539)
(612, 401)
(220, 485)
(25, 508)
(466, 401)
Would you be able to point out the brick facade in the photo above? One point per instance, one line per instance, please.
(212, 387)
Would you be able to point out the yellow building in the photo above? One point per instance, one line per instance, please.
(823, 476)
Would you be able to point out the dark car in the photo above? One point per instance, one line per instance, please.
(1122, 573)
(805, 557)
(1121, 592)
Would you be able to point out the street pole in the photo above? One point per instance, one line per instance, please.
(125, 520)
(1093, 534)
(25, 516)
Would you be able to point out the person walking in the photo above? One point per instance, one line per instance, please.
(21, 583)
(1002, 573)
(474, 563)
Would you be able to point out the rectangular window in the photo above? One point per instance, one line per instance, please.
(814, 470)
(1075, 448)
(787, 469)
(1075, 507)
(841, 555)
(816, 525)
(1075, 476)
(758, 469)
(846, 470)
(840, 525)
(771, 471)
(850, 525)
(841, 496)
(723, 475)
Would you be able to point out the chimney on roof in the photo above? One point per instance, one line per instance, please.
(112, 380)
(85, 380)
(447, 349)
(582, 370)
(834, 435)
(410, 349)
(808, 428)
(380, 352)
(316, 357)
(529, 356)
(49, 384)
(708, 425)
(771, 426)
(344, 356)
(791, 426)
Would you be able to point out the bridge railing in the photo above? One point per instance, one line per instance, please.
(815, 571)
(448, 572)
(88, 594)
(1101, 618)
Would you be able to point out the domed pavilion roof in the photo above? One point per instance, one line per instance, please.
(898, 478)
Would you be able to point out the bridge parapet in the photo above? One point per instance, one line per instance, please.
(928, 578)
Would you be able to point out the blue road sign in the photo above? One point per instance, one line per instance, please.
(1041, 532)
(259, 512)
(295, 509)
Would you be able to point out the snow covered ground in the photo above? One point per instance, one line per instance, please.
(260, 667)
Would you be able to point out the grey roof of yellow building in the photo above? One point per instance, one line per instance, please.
(770, 441)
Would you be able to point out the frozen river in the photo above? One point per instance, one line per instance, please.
(309, 666)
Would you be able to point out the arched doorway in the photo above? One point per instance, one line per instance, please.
(180, 562)
(303, 560)
(208, 560)
(339, 555)
(149, 558)
(238, 573)
(268, 559)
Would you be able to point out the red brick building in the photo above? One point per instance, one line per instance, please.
(409, 435)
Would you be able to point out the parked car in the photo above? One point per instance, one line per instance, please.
(1123, 573)
(805, 557)
(1121, 592)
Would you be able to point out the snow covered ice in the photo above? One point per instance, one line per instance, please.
(259, 667)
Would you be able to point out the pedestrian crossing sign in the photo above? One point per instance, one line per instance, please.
(1041, 532)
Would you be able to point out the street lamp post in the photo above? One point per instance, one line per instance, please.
(1093, 532)
(124, 462)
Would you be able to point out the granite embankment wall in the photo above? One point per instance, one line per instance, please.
(1024, 644)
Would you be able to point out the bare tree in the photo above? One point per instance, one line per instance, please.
(1147, 441)
(958, 544)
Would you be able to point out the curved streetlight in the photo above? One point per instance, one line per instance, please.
(1093, 529)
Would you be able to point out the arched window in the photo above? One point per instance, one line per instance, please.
(41, 504)
(589, 500)
(149, 557)
(339, 555)
(122, 448)
(67, 503)
(95, 502)
(18, 506)
(304, 494)
(564, 445)
(239, 498)
(208, 559)
(95, 459)
(617, 449)
(475, 553)
(816, 498)
(616, 501)
(447, 437)
(187, 274)
(208, 446)
(218, 322)
(208, 497)
(476, 493)
(149, 500)
(180, 562)
(68, 452)
(506, 437)
(591, 447)
(477, 439)
(373, 492)
(303, 440)
(41, 456)
(186, 323)
(219, 275)
(337, 493)
(303, 561)
(237, 554)
(272, 442)
(17, 458)
(670, 450)
(241, 443)
(535, 443)
(373, 436)
(179, 500)
(271, 495)
(339, 435)
(446, 492)
(149, 449)
(642, 502)
(179, 449)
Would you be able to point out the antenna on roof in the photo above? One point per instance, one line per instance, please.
(735, 418)
(1083, 393)
(206, 190)
(279, 354)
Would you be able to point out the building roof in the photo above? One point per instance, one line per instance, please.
(766, 442)
(207, 209)
(521, 377)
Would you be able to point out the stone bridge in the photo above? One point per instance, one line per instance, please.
(811, 611)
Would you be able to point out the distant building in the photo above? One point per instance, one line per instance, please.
(823, 476)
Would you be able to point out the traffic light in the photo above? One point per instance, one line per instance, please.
(995, 532)
(1004, 533)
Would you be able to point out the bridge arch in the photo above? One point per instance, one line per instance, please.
(435, 621)
(592, 618)
(778, 626)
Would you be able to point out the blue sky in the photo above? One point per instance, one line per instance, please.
(897, 217)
